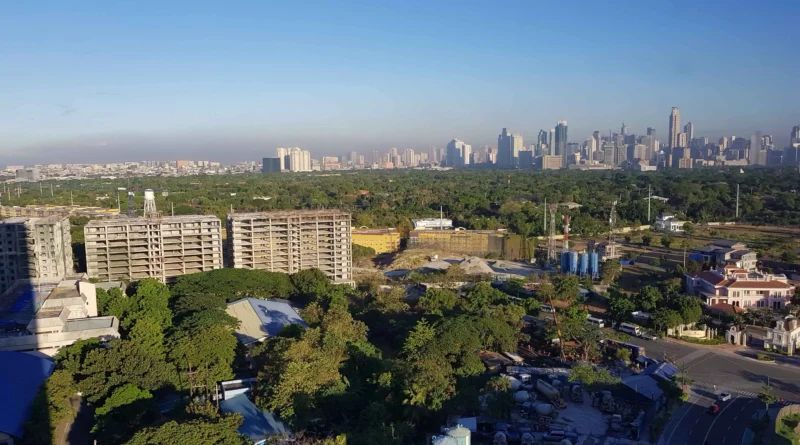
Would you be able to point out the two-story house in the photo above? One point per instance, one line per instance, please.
(667, 222)
(724, 252)
(741, 288)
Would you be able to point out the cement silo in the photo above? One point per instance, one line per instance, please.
(584, 264)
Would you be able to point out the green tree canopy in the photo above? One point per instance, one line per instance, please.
(647, 298)
(665, 318)
(438, 301)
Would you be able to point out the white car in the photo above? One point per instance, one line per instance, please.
(724, 397)
(648, 336)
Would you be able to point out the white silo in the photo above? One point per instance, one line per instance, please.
(460, 434)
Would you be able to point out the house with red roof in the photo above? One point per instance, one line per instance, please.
(740, 288)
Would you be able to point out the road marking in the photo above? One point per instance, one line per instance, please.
(735, 417)
(723, 439)
(690, 432)
(729, 426)
(743, 408)
(717, 418)
(695, 422)
(681, 419)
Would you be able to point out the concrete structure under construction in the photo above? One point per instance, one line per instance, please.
(160, 248)
(53, 210)
(34, 248)
(473, 242)
(380, 240)
(291, 241)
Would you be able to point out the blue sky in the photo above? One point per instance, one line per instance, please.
(85, 81)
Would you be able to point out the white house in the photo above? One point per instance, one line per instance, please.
(741, 288)
(667, 222)
(784, 337)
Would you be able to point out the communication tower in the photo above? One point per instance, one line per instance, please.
(565, 218)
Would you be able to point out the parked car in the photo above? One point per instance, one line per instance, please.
(724, 397)
(648, 336)
(547, 308)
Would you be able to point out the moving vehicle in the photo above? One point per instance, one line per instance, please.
(547, 308)
(596, 321)
(724, 397)
(630, 328)
(713, 409)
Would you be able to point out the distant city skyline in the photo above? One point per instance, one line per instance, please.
(116, 82)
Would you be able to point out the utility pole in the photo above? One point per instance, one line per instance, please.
(71, 200)
(737, 202)
(40, 189)
(649, 200)
(51, 189)
(544, 230)
(172, 210)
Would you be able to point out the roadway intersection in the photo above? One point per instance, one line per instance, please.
(714, 372)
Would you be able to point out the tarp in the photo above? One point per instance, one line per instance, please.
(21, 375)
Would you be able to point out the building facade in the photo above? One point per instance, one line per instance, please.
(474, 242)
(34, 248)
(741, 288)
(291, 241)
(53, 210)
(667, 222)
(270, 165)
(458, 153)
(726, 253)
(380, 240)
(674, 127)
(159, 248)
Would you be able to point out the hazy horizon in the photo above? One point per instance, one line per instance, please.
(186, 80)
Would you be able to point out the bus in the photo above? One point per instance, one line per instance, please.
(596, 321)
(630, 328)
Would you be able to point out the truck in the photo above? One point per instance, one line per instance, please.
(541, 414)
(550, 393)
(576, 393)
(607, 402)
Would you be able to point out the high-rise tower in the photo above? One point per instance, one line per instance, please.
(689, 130)
(674, 127)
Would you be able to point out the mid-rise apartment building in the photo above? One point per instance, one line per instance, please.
(741, 288)
(380, 240)
(160, 248)
(34, 248)
(291, 241)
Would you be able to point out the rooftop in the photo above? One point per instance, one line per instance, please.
(288, 214)
(262, 318)
(257, 424)
(19, 385)
(140, 220)
(368, 231)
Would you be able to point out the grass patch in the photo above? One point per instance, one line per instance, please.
(765, 357)
(616, 335)
(704, 341)
(785, 428)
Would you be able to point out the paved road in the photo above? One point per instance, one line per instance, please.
(728, 370)
(692, 425)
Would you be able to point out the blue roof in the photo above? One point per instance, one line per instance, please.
(272, 315)
(257, 424)
(21, 375)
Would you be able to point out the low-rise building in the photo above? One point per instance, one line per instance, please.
(47, 316)
(472, 242)
(667, 222)
(550, 162)
(432, 223)
(740, 288)
(784, 336)
(724, 252)
(380, 240)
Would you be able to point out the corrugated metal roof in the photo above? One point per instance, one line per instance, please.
(21, 375)
(261, 318)
(257, 424)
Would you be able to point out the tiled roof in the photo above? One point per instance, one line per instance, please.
(742, 284)
(710, 277)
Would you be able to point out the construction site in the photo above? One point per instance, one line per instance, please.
(152, 246)
(291, 241)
